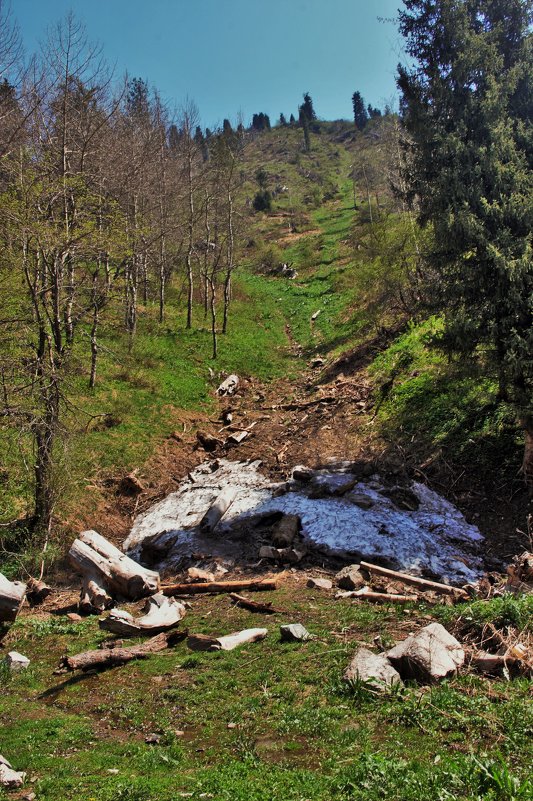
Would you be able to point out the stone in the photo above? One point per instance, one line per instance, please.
(196, 574)
(8, 777)
(16, 661)
(294, 632)
(375, 668)
(319, 584)
(362, 501)
(350, 578)
(290, 555)
(74, 617)
(428, 656)
(152, 739)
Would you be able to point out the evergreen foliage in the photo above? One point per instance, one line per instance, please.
(360, 114)
(465, 104)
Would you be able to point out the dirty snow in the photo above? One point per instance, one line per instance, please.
(434, 540)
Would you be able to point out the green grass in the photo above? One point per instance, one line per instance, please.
(444, 407)
(301, 733)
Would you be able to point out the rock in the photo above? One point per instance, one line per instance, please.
(8, 777)
(152, 739)
(361, 500)
(291, 555)
(74, 617)
(302, 473)
(428, 656)
(294, 632)
(316, 363)
(367, 666)
(16, 661)
(350, 578)
(130, 485)
(319, 584)
(196, 574)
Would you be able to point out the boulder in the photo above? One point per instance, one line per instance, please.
(350, 578)
(16, 661)
(294, 632)
(376, 668)
(319, 584)
(428, 656)
(8, 777)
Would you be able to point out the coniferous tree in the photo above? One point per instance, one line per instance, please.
(465, 104)
(360, 115)
(306, 109)
(292, 119)
(282, 119)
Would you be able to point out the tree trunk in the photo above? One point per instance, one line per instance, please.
(112, 657)
(527, 465)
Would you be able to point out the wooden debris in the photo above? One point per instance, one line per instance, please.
(131, 485)
(37, 591)
(520, 573)
(161, 614)
(254, 606)
(256, 585)
(208, 442)
(9, 778)
(202, 642)
(416, 581)
(494, 664)
(11, 597)
(218, 509)
(112, 657)
(291, 555)
(285, 532)
(108, 573)
(365, 594)
(229, 386)
(196, 574)
(236, 438)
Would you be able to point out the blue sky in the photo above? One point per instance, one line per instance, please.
(239, 56)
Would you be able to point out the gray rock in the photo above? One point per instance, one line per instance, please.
(319, 584)
(8, 777)
(350, 578)
(361, 500)
(376, 668)
(16, 661)
(428, 656)
(294, 632)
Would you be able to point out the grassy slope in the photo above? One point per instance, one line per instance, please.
(299, 732)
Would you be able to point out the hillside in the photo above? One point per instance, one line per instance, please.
(335, 363)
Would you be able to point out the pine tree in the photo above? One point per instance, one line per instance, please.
(282, 119)
(360, 115)
(306, 109)
(292, 119)
(465, 104)
(304, 122)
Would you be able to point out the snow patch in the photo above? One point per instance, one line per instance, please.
(433, 540)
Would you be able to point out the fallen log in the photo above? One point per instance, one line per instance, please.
(228, 386)
(37, 591)
(379, 597)
(113, 657)
(415, 581)
(108, 573)
(12, 594)
(219, 586)
(495, 664)
(161, 614)
(218, 509)
(202, 642)
(254, 606)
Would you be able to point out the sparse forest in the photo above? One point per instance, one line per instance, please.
(215, 343)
